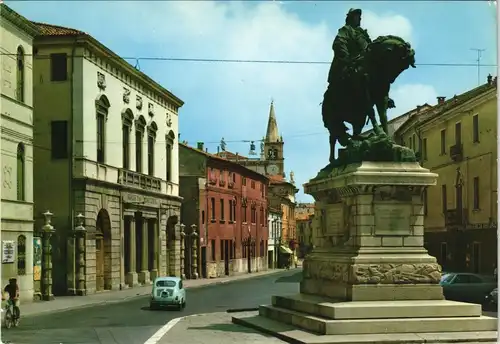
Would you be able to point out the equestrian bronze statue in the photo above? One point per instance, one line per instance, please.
(359, 79)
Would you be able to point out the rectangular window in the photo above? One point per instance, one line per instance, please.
(458, 133)
(101, 145)
(234, 210)
(138, 151)
(212, 201)
(59, 139)
(244, 211)
(252, 184)
(59, 67)
(221, 242)
(444, 200)
(424, 149)
(231, 210)
(443, 141)
(203, 217)
(222, 210)
(151, 155)
(126, 146)
(476, 193)
(212, 246)
(169, 162)
(244, 181)
(475, 128)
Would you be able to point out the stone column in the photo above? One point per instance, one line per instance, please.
(370, 246)
(47, 231)
(131, 277)
(144, 273)
(80, 232)
(156, 251)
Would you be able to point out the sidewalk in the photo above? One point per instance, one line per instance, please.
(214, 328)
(63, 303)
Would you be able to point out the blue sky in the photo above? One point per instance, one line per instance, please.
(232, 100)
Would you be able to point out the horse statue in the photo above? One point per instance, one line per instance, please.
(352, 100)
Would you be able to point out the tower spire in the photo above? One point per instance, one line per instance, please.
(272, 134)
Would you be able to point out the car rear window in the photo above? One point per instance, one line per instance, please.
(165, 283)
(447, 278)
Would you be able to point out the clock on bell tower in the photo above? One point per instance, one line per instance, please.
(273, 147)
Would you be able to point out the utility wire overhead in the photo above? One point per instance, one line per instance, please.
(264, 61)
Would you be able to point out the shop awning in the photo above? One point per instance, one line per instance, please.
(284, 249)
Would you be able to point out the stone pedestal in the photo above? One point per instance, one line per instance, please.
(369, 274)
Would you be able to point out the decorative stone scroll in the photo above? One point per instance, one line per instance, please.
(429, 273)
(326, 270)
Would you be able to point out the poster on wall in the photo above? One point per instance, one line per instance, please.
(8, 251)
(37, 259)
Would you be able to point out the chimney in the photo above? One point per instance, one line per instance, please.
(237, 156)
(489, 79)
(206, 150)
(218, 149)
(441, 100)
(200, 145)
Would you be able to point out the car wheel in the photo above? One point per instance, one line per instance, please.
(152, 306)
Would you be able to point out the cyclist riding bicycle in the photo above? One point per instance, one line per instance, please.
(13, 290)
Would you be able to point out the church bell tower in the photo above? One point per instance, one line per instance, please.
(273, 147)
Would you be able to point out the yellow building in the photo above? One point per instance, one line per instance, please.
(457, 139)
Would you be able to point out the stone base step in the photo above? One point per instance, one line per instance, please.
(291, 334)
(331, 309)
(378, 326)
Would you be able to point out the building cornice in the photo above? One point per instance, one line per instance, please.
(466, 107)
(103, 52)
(18, 20)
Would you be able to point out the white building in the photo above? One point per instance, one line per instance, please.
(106, 147)
(16, 107)
(273, 246)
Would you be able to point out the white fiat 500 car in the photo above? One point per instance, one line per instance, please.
(168, 291)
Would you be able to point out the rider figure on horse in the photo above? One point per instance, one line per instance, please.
(348, 46)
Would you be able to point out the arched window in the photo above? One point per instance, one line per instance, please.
(152, 129)
(102, 107)
(21, 159)
(169, 146)
(140, 125)
(127, 120)
(21, 255)
(20, 74)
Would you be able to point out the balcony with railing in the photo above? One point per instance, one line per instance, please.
(139, 180)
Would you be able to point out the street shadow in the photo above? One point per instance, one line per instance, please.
(162, 309)
(227, 328)
(295, 278)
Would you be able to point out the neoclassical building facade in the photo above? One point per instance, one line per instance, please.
(106, 147)
(16, 104)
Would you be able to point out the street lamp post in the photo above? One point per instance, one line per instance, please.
(80, 258)
(47, 230)
(183, 234)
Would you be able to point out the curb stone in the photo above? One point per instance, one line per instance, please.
(140, 294)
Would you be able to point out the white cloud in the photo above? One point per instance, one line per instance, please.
(246, 30)
(268, 31)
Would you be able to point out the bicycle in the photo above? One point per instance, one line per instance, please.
(12, 314)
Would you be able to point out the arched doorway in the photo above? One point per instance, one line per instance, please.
(103, 251)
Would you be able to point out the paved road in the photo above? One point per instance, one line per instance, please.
(132, 322)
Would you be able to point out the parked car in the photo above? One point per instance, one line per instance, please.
(168, 291)
(491, 301)
(467, 287)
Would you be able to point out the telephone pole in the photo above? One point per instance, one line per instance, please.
(479, 55)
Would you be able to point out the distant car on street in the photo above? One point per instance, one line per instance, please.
(168, 291)
(467, 287)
